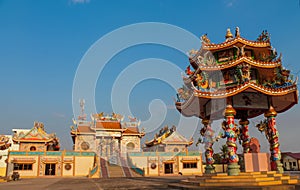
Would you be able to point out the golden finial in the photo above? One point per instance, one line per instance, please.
(229, 110)
(228, 34)
(244, 122)
(206, 121)
(271, 112)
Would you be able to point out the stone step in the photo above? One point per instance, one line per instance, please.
(239, 180)
(190, 187)
(240, 176)
(290, 181)
(241, 184)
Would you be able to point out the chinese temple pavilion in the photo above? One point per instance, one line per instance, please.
(237, 79)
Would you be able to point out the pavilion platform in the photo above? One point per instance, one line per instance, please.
(245, 180)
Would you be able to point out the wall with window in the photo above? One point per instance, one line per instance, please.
(154, 163)
(33, 147)
(190, 165)
(50, 163)
(290, 163)
(26, 166)
(130, 143)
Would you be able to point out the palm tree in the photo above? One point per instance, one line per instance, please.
(224, 155)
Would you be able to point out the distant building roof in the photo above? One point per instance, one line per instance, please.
(293, 155)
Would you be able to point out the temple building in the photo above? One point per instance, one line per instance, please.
(36, 154)
(108, 136)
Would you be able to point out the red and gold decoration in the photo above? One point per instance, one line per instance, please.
(244, 135)
(208, 139)
(247, 75)
(269, 127)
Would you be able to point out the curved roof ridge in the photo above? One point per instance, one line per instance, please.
(212, 46)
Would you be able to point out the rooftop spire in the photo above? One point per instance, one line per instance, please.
(228, 34)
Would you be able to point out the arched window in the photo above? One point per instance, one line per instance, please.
(85, 145)
(130, 146)
(32, 148)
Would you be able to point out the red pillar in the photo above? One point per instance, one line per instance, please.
(231, 134)
(245, 135)
(272, 136)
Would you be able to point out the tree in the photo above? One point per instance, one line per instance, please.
(224, 155)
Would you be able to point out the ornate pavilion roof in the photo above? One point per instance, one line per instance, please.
(112, 122)
(237, 71)
(36, 134)
(4, 142)
(168, 136)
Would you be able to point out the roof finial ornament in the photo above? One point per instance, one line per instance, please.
(237, 32)
(205, 39)
(82, 115)
(229, 35)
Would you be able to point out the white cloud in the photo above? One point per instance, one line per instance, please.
(230, 3)
(80, 1)
(60, 115)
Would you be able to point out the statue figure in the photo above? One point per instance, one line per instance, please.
(237, 32)
(243, 51)
(193, 52)
(264, 37)
(202, 80)
(237, 51)
(231, 132)
(243, 73)
(208, 139)
(205, 39)
(254, 145)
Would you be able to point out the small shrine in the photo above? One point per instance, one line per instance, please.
(36, 139)
(237, 79)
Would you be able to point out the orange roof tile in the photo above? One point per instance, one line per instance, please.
(132, 130)
(108, 125)
(85, 129)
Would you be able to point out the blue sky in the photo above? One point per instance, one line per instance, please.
(42, 43)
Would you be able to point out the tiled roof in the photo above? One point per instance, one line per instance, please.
(132, 130)
(35, 134)
(108, 125)
(85, 129)
(293, 155)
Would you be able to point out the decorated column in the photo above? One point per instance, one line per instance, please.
(208, 140)
(272, 136)
(231, 134)
(244, 136)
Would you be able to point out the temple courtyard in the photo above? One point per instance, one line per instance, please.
(91, 184)
(82, 183)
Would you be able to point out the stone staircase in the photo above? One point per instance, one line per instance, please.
(109, 170)
(103, 168)
(125, 167)
(249, 180)
(115, 170)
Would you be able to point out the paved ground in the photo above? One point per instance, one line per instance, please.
(143, 183)
(91, 184)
